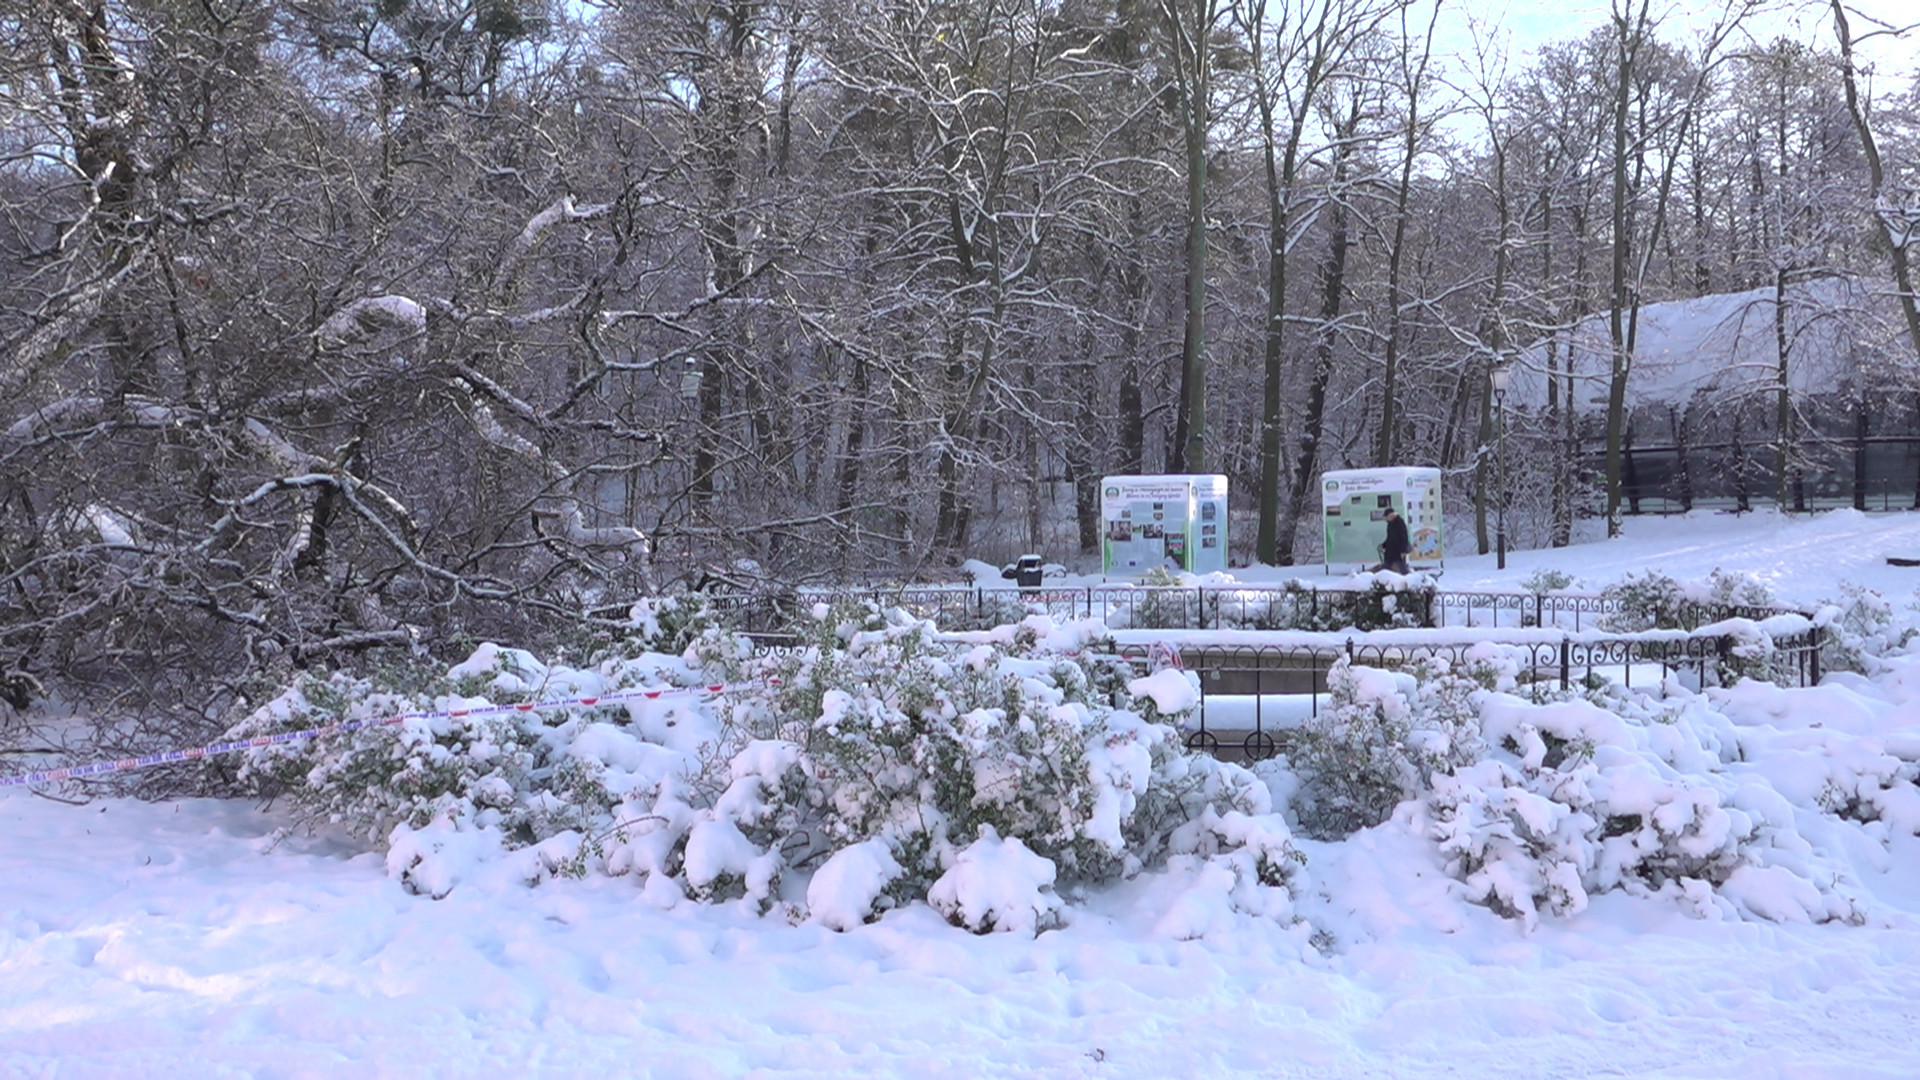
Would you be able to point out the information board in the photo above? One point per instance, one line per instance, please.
(1354, 505)
(1173, 522)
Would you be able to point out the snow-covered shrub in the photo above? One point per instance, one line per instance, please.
(900, 737)
(1574, 800)
(1860, 628)
(1353, 758)
(854, 772)
(1870, 787)
(1745, 651)
(1542, 582)
(667, 624)
(1511, 847)
(997, 884)
(1295, 608)
(1537, 806)
(1729, 589)
(1262, 839)
(1383, 735)
(1646, 601)
(1525, 842)
(1654, 601)
(991, 609)
(1287, 608)
(850, 887)
(1167, 602)
(1233, 865)
(1823, 749)
(530, 774)
(1388, 600)
(378, 777)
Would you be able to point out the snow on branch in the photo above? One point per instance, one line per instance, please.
(290, 458)
(280, 451)
(88, 410)
(567, 522)
(491, 430)
(51, 337)
(81, 409)
(370, 315)
(562, 209)
(572, 527)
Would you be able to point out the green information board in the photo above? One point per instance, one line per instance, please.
(1176, 522)
(1354, 505)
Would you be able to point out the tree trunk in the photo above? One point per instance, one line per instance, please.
(1386, 445)
(1627, 51)
(1333, 289)
(1192, 37)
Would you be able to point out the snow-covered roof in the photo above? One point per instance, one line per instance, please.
(1722, 345)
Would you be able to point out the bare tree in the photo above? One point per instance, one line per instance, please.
(1896, 208)
(1295, 55)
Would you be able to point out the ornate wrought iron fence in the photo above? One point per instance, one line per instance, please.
(1278, 683)
(1293, 606)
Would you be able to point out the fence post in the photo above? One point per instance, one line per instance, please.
(1349, 651)
(1816, 636)
(1566, 661)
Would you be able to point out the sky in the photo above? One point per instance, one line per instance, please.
(1528, 25)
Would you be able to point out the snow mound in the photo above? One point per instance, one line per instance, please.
(998, 885)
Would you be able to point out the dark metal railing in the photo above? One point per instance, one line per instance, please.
(1270, 679)
(1284, 683)
(1293, 606)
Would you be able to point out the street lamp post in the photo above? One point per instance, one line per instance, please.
(1500, 376)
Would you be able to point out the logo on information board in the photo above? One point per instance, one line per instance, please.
(1113, 493)
(1333, 485)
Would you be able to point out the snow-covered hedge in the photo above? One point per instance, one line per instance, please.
(874, 766)
(1536, 806)
(1574, 799)
(997, 775)
(1381, 601)
(1654, 601)
(1861, 628)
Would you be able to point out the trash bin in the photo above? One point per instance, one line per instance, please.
(1026, 572)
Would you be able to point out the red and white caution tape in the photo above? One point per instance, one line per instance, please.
(99, 768)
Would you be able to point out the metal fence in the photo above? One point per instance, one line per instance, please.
(1294, 606)
(1253, 696)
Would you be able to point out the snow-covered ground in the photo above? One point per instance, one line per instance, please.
(187, 939)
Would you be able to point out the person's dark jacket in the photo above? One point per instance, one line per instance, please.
(1398, 545)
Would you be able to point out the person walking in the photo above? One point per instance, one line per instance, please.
(1393, 553)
